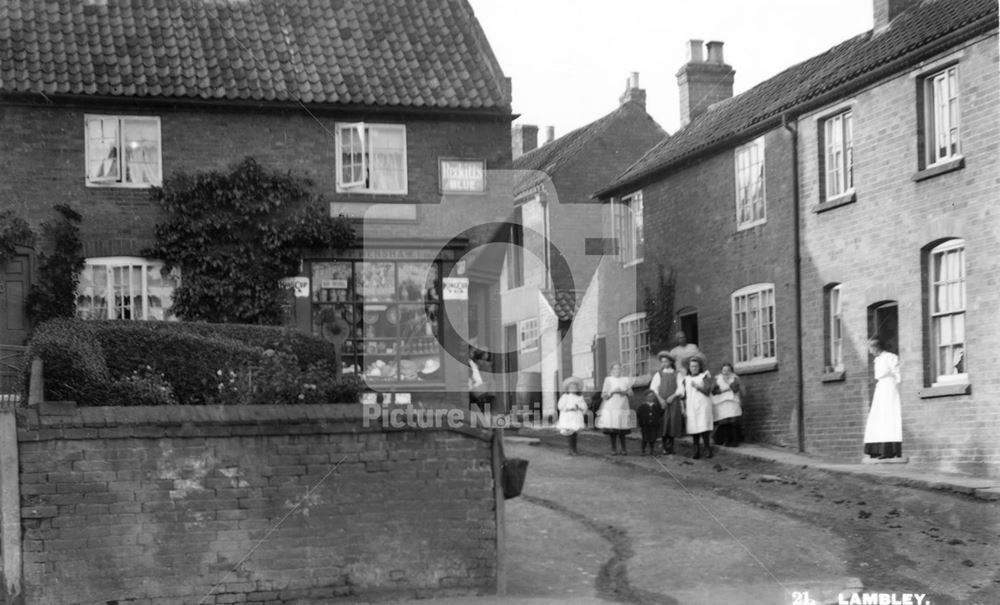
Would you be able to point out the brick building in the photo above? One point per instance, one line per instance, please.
(395, 111)
(765, 206)
(559, 228)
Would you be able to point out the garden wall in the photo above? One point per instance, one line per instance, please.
(270, 504)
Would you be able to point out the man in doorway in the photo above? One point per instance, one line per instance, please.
(682, 352)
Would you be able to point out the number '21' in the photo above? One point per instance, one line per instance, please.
(801, 598)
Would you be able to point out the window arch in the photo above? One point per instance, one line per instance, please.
(945, 312)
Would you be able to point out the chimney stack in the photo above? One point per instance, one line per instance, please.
(632, 92)
(524, 138)
(703, 82)
(884, 11)
(550, 134)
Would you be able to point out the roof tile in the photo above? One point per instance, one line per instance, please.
(420, 53)
(910, 37)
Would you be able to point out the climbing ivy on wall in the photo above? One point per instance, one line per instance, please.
(660, 308)
(14, 232)
(60, 261)
(233, 235)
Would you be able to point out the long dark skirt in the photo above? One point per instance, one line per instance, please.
(884, 449)
(673, 421)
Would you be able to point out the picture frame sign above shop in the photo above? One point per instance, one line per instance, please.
(456, 288)
(462, 176)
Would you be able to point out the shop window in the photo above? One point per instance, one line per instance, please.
(754, 339)
(371, 158)
(751, 207)
(125, 288)
(123, 151)
(633, 343)
(385, 315)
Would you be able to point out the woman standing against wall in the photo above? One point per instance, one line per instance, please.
(696, 386)
(884, 429)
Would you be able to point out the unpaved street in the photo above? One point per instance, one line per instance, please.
(734, 530)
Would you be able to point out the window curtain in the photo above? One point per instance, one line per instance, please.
(388, 159)
(102, 149)
(142, 151)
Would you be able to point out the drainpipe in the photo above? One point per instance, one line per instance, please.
(791, 127)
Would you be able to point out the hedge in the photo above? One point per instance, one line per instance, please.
(154, 363)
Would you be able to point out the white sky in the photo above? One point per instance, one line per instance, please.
(569, 59)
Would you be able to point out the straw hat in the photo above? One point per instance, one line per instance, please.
(665, 353)
(572, 380)
(701, 359)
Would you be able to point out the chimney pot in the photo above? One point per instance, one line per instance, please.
(703, 83)
(632, 91)
(694, 51)
(715, 53)
(550, 134)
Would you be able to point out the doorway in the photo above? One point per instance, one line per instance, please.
(508, 358)
(883, 321)
(689, 324)
(15, 282)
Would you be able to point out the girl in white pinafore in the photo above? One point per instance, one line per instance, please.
(884, 429)
(615, 418)
(696, 386)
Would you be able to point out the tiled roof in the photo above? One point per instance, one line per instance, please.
(563, 303)
(913, 36)
(550, 157)
(401, 53)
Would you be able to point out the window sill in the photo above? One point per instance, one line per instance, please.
(756, 367)
(945, 390)
(749, 226)
(833, 376)
(835, 202)
(938, 169)
(631, 263)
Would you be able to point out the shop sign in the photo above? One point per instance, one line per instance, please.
(463, 176)
(456, 288)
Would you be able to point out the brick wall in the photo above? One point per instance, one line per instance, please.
(873, 248)
(168, 505)
(690, 219)
(44, 162)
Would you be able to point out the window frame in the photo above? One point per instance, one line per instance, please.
(834, 329)
(932, 116)
(634, 359)
(748, 361)
(934, 280)
(363, 131)
(755, 146)
(628, 227)
(118, 181)
(114, 310)
(837, 128)
(532, 328)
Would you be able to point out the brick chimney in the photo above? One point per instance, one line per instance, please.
(884, 11)
(632, 91)
(524, 138)
(703, 82)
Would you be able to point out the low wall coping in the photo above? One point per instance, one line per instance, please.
(59, 420)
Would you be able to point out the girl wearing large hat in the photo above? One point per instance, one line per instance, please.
(571, 409)
(615, 417)
(664, 385)
(697, 386)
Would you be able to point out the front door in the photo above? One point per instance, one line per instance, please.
(883, 319)
(15, 282)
